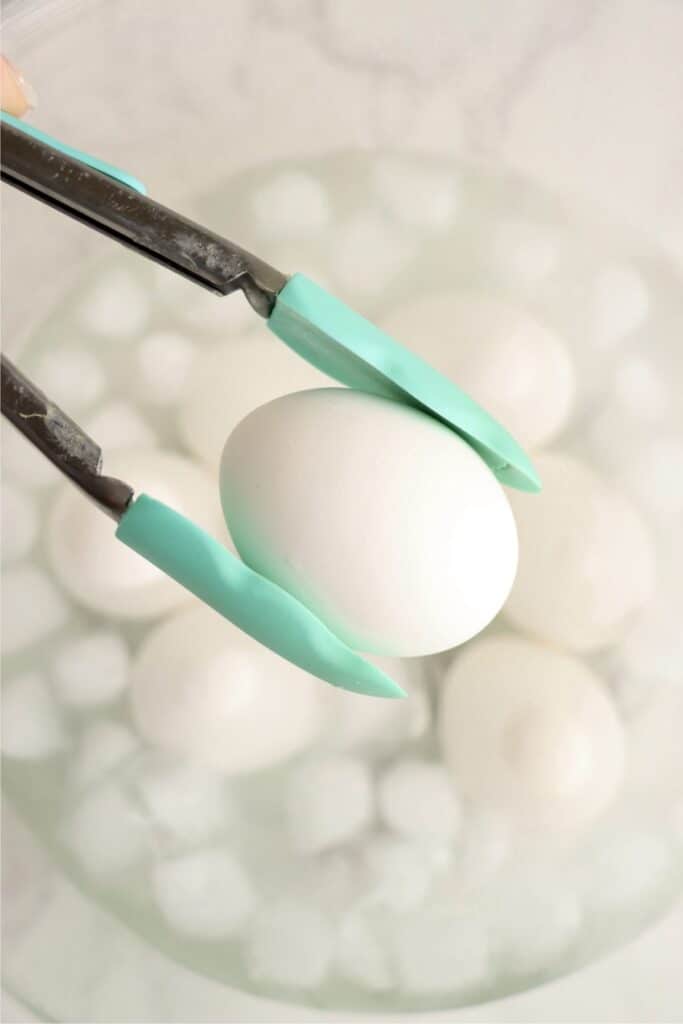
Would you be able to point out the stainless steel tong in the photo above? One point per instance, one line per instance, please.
(108, 205)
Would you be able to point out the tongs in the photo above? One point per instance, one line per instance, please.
(313, 323)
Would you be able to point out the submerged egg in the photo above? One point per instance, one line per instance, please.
(203, 689)
(531, 731)
(379, 518)
(586, 565)
(228, 381)
(511, 363)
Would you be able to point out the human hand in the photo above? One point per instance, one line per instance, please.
(16, 95)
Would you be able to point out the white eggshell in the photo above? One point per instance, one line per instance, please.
(231, 379)
(104, 574)
(518, 369)
(203, 689)
(531, 731)
(586, 562)
(382, 520)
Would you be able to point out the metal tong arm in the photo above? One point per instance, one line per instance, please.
(65, 444)
(135, 220)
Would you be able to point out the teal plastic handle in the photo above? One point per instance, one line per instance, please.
(268, 613)
(353, 351)
(91, 161)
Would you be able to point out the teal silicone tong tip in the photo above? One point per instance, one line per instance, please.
(259, 607)
(346, 346)
(76, 154)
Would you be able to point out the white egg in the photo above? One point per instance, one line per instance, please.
(531, 731)
(512, 364)
(104, 574)
(231, 379)
(203, 689)
(586, 563)
(378, 517)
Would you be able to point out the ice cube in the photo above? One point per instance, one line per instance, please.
(290, 944)
(72, 377)
(292, 205)
(333, 880)
(164, 359)
(361, 956)
(523, 252)
(205, 894)
(417, 798)
(28, 876)
(398, 872)
(621, 303)
(91, 669)
(32, 723)
(628, 872)
(19, 522)
(103, 746)
(33, 607)
(117, 306)
(230, 380)
(119, 425)
(106, 832)
(365, 253)
(536, 922)
(416, 195)
(438, 953)
(329, 800)
(23, 463)
(486, 843)
(186, 803)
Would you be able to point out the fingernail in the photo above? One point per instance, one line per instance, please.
(20, 86)
(30, 94)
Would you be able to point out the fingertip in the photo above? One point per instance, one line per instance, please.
(17, 96)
